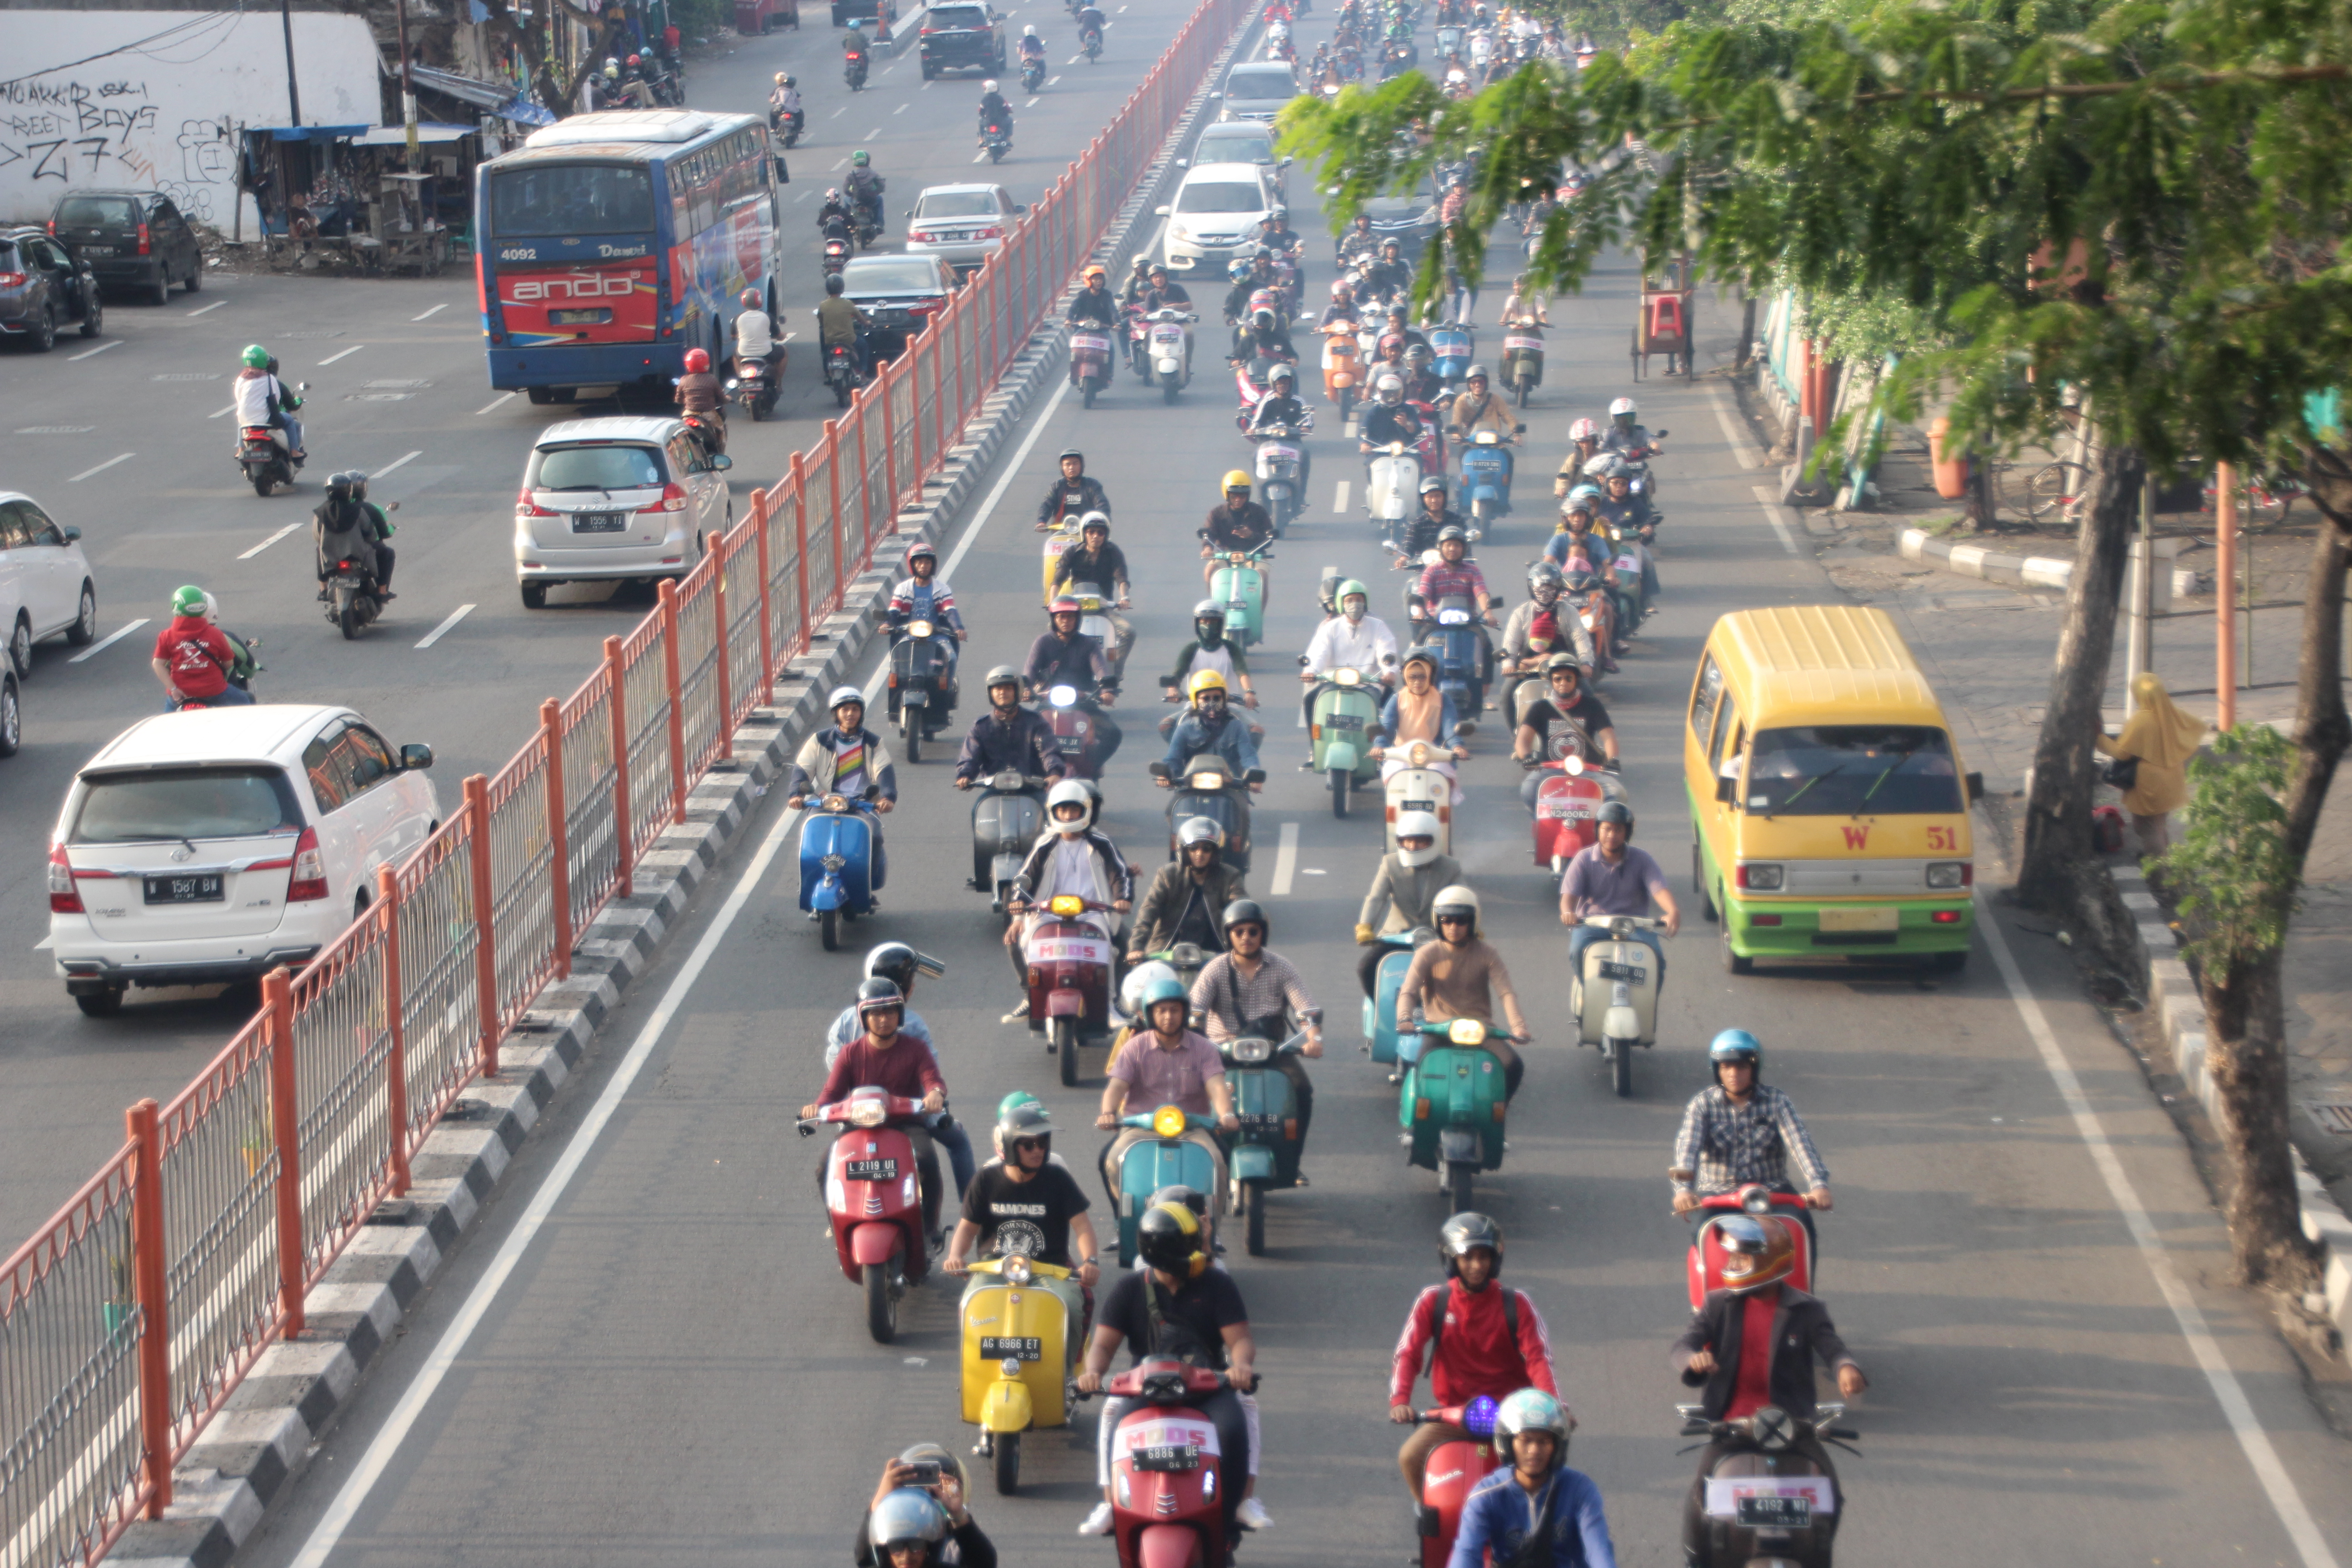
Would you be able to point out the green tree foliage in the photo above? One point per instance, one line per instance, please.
(2236, 877)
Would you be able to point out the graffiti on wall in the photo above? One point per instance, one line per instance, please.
(108, 132)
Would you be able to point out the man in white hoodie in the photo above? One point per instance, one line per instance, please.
(263, 400)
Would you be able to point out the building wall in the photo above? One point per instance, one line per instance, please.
(161, 112)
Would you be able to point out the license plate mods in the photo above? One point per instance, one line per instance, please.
(1858, 919)
(598, 522)
(1777, 1512)
(200, 889)
(994, 1347)
(871, 1170)
(1633, 972)
(1166, 1456)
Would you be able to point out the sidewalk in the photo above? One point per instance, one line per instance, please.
(1989, 650)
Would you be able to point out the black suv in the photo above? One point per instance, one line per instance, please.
(131, 237)
(43, 285)
(962, 37)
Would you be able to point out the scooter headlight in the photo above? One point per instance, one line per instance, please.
(1344, 676)
(868, 1114)
(1016, 1269)
(1466, 1031)
(1211, 781)
(1063, 696)
(1068, 906)
(919, 628)
(1252, 1050)
(1168, 1122)
(836, 802)
(1420, 753)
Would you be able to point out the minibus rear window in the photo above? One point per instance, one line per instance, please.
(1852, 770)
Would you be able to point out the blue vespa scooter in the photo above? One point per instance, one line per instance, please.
(1166, 1159)
(1487, 464)
(837, 861)
(1388, 979)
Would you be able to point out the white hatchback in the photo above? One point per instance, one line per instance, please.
(625, 497)
(1218, 211)
(46, 587)
(213, 844)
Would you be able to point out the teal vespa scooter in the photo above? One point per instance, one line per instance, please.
(1345, 713)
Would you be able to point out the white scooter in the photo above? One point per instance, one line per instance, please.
(1615, 999)
(1392, 487)
(1418, 776)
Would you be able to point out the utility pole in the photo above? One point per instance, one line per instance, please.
(2225, 573)
(293, 92)
(2141, 587)
(407, 83)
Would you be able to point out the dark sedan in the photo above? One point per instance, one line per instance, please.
(898, 293)
(43, 286)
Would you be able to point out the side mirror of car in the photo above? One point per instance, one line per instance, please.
(1160, 212)
(1282, 163)
(1020, 207)
(73, 535)
(722, 462)
(1975, 781)
(1727, 792)
(415, 755)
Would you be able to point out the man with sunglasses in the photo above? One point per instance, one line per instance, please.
(1030, 1208)
(1457, 976)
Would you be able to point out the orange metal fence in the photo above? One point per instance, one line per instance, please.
(127, 1320)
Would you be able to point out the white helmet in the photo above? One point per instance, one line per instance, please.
(1066, 793)
(1622, 405)
(988, 86)
(1601, 464)
(780, 78)
(1387, 384)
(1131, 990)
(1455, 900)
(1030, 31)
(1417, 825)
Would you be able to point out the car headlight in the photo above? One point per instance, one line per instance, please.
(1949, 874)
(1761, 879)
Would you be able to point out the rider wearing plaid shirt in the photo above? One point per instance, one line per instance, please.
(1738, 1131)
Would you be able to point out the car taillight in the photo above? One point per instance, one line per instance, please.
(526, 506)
(990, 234)
(309, 880)
(65, 898)
(142, 239)
(673, 498)
(12, 280)
(53, 227)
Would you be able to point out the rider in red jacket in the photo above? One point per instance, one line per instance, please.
(1489, 1340)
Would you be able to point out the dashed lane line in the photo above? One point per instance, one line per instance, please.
(101, 468)
(455, 616)
(1339, 499)
(92, 353)
(493, 403)
(1286, 860)
(344, 354)
(99, 647)
(202, 308)
(396, 463)
(433, 312)
(266, 544)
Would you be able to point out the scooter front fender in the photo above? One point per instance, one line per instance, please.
(1622, 1022)
(827, 894)
(1167, 1546)
(874, 1244)
(1341, 754)
(1007, 1407)
(1066, 1003)
(1251, 1162)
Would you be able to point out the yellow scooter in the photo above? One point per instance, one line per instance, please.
(1017, 1357)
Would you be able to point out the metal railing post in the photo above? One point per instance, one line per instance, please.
(800, 544)
(832, 467)
(890, 442)
(616, 691)
(395, 1065)
(486, 955)
(722, 642)
(559, 834)
(667, 595)
(149, 1289)
(285, 1132)
(761, 554)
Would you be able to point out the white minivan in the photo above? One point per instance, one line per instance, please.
(214, 844)
(45, 582)
(1216, 216)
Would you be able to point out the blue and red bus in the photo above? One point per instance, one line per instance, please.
(609, 244)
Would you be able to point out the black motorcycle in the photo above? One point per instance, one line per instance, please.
(867, 209)
(997, 140)
(1765, 1501)
(838, 243)
(1207, 787)
(842, 372)
(788, 126)
(921, 695)
(1033, 74)
(355, 600)
(754, 387)
(1005, 821)
(853, 71)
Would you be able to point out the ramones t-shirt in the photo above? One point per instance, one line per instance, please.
(1029, 1219)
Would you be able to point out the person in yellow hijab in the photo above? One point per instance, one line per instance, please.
(2162, 738)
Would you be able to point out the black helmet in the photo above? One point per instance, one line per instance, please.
(1615, 811)
(1243, 912)
(898, 963)
(1069, 452)
(1544, 573)
(1457, 1236)
(1191, 1197)
(875, 994)
(832, 283)
(1028, 1119)
(338, 485)
(1169, 1237)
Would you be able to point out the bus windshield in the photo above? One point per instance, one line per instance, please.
(564, 199)
(1852, 770)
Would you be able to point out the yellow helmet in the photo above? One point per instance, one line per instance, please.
(1236, 480)
(1205, 680)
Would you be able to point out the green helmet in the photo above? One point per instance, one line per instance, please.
(255, 357)
(858, 158)
(1011, 1102)
(188, 601)
(1347, 590)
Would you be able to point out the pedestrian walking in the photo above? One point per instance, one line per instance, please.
(2152, 760)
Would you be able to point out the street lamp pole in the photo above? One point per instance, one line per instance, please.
(293, 92)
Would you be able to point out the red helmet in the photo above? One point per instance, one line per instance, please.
(751, 300)
(1065, 605)
(634, 60)
(697, 360)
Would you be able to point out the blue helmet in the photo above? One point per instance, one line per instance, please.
(1735, 1045)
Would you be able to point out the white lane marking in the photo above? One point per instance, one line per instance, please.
(42, 945)
(99, 647)
(455, 617)
(980, 156)
(1073, 60)
(801, 197)
(1051, 80)
(493, 403)
(900, 109)
(202, 308)
(1286, 860)
(838, 165)
(266, 544)
(1776, 514)
(348, 1502)
(218, 411)
(836, 115)
(342, 353)
(92, 353)
(2285, 1499)
(396, 462)
(788, 337)
(101, 468)
(435, 312)
(1031, 104)
(1339, 499)
(1741, 447)
(876, 131)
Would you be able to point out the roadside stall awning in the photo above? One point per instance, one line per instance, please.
(307, 132)
(427, 132)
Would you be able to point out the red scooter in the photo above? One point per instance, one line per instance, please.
(1071, 717)
(1167, 1477)
(1705, 1263)
(1453, 1470)
(1090, 352)
(1070, 960)
(1568, 799)
(874, 1199)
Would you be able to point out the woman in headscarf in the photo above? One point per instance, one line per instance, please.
(2162, 738)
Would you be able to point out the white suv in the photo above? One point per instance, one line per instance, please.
(214, 844)
(45, 582)
(1215, 217)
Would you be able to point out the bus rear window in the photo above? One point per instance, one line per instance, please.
(1852, 770)
(546, 201)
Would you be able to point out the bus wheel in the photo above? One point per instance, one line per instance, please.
(540, 394)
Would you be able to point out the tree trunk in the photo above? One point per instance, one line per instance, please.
(1747, 356)
(2059, 873)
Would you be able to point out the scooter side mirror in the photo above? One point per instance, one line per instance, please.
(1976, 788)
(1255, 775)
(1727, 792)
(1663, 434)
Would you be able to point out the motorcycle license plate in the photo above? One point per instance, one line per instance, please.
(1072, 745)
(1416, 805)
(1516, 341)
(1777, 1512)
(1568, 810)
(870, 1169)
(1632, 972)
(1166, 1456)
(598, 522)
(183, 889)
(1351, 721)
(994, 1347)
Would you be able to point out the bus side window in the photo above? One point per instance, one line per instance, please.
(1727, 722)
(1704, 697)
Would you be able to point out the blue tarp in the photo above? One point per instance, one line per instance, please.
(307, 132)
